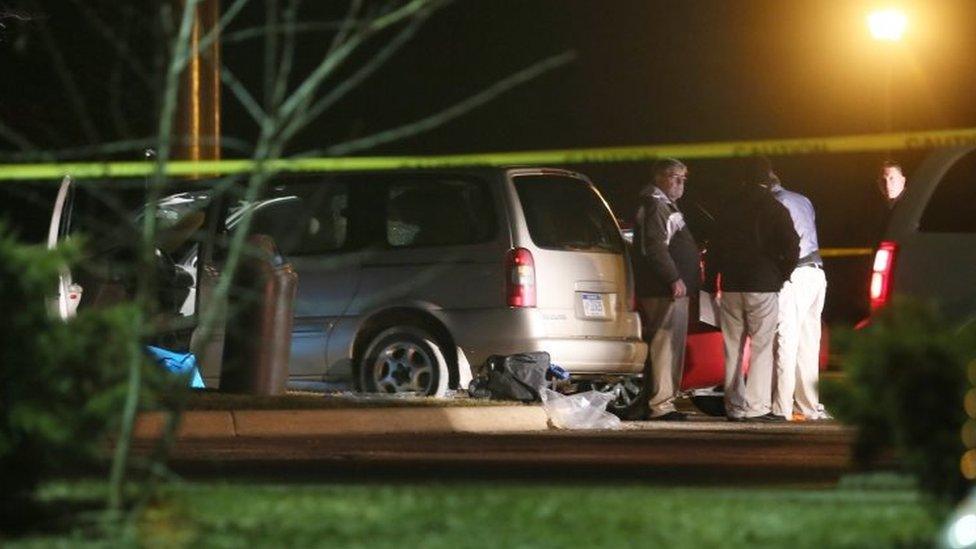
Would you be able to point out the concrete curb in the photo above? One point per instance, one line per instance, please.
(347, 421)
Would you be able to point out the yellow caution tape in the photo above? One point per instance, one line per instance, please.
(717, 149)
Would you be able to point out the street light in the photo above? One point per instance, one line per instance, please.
(887, 25)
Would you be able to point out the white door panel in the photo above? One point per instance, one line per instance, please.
(65, 303)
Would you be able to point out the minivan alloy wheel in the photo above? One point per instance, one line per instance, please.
(402, 366)
(404, 360)
(629, 396)
(625, 391)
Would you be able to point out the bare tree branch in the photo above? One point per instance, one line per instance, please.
(171, 89)
(101, 150)
(399, 14)
(240, 92)
(306, 91)
(115, 100)
(287, 55)
(299, 119)
(346, 27)
(430, 122)
(215, 33)
(332, 61)
(259, 32)
(145, 281)
(120, 45)
(8, 133)
(357, 78)
(70, 87)
(270, 54)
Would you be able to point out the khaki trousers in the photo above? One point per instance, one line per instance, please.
(666, 329)
(801, 303)
(749, 317)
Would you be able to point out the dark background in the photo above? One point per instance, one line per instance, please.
(646, 72)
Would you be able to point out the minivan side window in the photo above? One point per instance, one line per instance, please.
(950, 209)
(565, 213)
(305, 219)
(445, 212)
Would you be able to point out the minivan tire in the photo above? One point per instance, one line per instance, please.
(628, 409)
(404, 359)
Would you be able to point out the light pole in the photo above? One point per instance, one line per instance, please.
(198, 116)
(888, 25)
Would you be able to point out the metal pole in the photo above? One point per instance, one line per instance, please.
(198, 115)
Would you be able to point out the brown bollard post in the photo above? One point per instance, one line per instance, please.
(260, 307)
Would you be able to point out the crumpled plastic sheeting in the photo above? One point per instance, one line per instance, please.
(587, 410)
(184, 364)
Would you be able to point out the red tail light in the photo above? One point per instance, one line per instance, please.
(884, 262)
(520, 278)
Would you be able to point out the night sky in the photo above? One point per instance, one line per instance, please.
(647, 72)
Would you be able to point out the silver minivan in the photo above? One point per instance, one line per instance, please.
(928, 250)
(408, 281)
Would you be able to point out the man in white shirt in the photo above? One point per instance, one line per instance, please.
(801, 302)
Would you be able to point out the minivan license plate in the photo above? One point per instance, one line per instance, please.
(593, 306)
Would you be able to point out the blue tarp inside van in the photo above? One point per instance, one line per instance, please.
(179, 363)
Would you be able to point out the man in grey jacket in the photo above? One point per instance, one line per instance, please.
(667, 271)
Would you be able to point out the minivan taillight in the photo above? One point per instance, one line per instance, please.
(520, 278)
(884, 262)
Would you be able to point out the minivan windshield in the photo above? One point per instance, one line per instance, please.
(565, 213)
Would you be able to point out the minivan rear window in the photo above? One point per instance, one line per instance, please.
(565, 213)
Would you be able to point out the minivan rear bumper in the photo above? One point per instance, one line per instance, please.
(485, 332)
(595, 356)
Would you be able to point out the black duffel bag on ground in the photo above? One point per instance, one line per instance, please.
(514, 377)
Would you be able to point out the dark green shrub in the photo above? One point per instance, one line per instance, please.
(62, 384)
(905, 387)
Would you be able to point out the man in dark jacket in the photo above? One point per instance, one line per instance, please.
(666, 269)
(754, 251)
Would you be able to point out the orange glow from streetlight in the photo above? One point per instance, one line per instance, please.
(888, 24)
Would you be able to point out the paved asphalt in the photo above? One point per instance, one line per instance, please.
(702, 450)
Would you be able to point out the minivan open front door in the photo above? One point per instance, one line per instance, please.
(65, 303)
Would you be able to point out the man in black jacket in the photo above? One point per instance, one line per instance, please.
(754, 252)
(667, 271)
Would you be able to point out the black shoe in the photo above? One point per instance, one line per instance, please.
(765, 418)
(670, 416)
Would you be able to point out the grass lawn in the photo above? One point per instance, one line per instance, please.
(482, 514)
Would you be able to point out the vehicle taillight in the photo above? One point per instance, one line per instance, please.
(520, 278)
(884, 262)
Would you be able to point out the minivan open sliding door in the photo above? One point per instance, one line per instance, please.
(65, 303)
